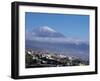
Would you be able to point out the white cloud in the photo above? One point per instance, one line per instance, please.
(58, 40)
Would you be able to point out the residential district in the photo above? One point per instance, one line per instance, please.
(35, 59)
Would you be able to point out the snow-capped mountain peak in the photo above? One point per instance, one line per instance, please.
(46, 28)
(45, 31)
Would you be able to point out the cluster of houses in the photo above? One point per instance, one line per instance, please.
(46, 59)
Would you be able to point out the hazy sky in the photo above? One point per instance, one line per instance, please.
(74, 26)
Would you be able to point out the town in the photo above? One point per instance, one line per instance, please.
(35, 59)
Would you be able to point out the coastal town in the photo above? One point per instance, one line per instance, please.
(35, 59)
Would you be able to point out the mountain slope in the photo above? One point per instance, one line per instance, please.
(45, 38)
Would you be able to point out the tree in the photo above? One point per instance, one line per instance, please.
(28, 58)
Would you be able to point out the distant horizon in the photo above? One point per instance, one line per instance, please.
(77, 26)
